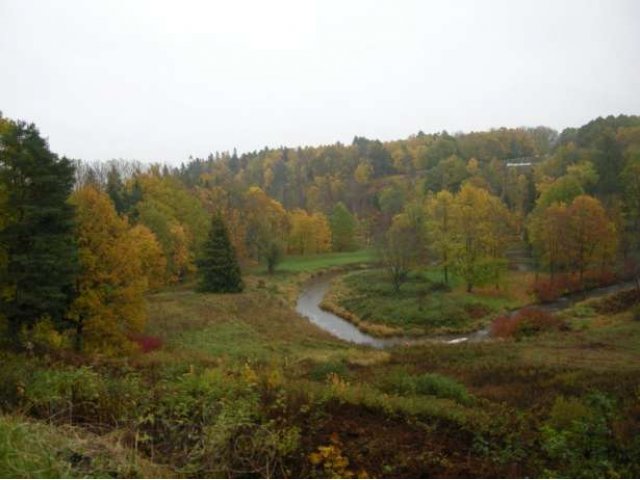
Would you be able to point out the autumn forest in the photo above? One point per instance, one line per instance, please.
(151, 321)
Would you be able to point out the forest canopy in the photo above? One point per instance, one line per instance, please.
(454, 200)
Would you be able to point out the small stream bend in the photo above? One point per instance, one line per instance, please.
(314, 290)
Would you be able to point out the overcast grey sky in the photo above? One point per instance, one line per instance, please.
(160, 80)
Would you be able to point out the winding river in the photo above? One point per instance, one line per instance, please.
(314, 290)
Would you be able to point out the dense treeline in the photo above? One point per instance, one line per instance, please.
(78, 251)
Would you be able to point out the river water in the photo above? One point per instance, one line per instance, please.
(314, 290)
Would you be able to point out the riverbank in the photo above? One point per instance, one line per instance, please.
(423, 306)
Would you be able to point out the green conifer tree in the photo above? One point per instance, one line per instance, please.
(218, 267)
(40, 259)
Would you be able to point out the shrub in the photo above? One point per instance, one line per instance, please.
(428, 384)
(618, 302)
(16, 370)
(147, 343)
(547, 291)
(330, 462)
(439, 287)
(631, 269)
(321, 371)
(504, 326)
(599, 278)
(582, 311)
(44, 335)
(566, 411)
(441, 386)
(577, 438)
(550, 290)
(532, 321)
(477, 310)
(56, 392)
(526, 322)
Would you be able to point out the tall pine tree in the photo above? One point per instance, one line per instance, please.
(218, 267)
(39, 265)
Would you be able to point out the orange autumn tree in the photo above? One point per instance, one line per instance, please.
(110, 304)
(573, 237)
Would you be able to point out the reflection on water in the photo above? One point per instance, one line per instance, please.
(309, 306)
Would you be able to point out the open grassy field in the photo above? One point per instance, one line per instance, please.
(243, 386)
(300, 263)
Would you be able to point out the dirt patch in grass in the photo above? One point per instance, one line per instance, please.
(384, 447)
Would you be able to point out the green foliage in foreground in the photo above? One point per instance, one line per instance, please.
(25, 451)
(31, 449)
(244, 387)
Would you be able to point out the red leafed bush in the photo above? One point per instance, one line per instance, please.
(534, 320)
(550, 290)
(599, 278)
(526, 322)
(547, 291)
(504, 326)
(631, 269)
(147, 343)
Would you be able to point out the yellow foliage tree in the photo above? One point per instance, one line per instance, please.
(176, 217)
(592, 235)
(363, 173)
(266, 227)
(321, 232)
(439, 225)
(548, 231)
(309, 233)
(111, 283)
(152, 259)
(480, 224)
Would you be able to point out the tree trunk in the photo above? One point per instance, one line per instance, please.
(78, 339)
(13, 332)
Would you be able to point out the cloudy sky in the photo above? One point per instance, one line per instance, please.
(162, 80)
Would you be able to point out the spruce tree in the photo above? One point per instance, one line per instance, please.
(39, 256)
(218, 267)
